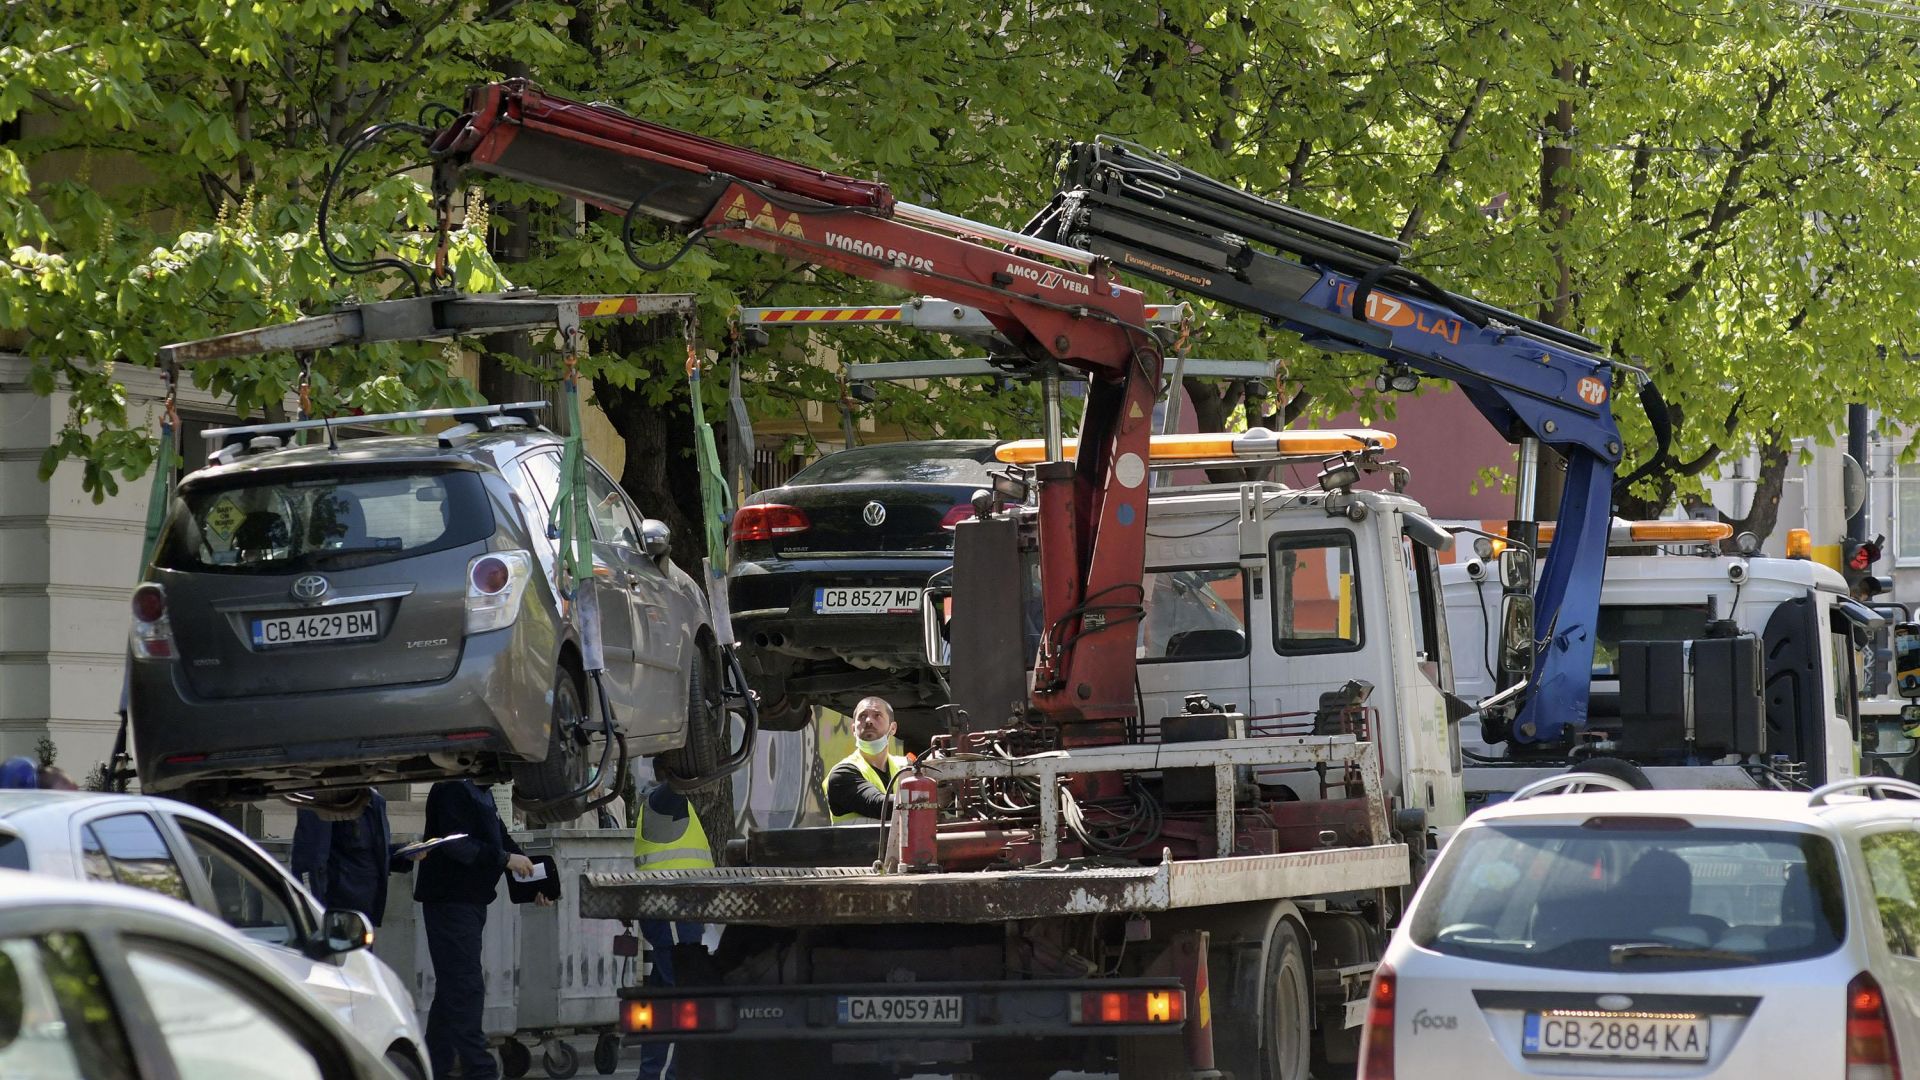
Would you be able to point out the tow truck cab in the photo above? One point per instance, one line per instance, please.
(1291, 603)
(1809, 633)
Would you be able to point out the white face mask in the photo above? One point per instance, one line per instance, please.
(874, 746)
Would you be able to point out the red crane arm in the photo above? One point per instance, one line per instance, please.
(1092, 516)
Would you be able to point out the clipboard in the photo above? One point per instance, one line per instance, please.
(544, 882)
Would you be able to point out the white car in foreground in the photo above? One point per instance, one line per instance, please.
(177, 850)
(1688, 934)
(102, 981)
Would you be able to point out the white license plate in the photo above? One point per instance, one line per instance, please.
(888, 1009)
(306, 629)
(866, 601)
(1628, 1037)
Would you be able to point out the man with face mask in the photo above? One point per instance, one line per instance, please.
(859, 786)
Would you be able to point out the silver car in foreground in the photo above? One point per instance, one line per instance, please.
(385, 609)
(1722, 934)
(102, 981)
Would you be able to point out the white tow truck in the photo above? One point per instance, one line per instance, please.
(1664, 589)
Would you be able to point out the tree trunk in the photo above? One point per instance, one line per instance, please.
(1556, 214)
(660, 474)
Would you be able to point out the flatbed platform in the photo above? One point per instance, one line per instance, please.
(817, 896)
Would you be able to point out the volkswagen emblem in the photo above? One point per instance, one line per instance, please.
(874, 513)
(309, 587)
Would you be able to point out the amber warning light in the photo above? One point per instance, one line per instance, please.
(649, 1015)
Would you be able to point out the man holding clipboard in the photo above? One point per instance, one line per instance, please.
(457, 880)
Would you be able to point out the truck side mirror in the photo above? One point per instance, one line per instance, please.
(936, 611)
(1516, 569)
(1906, 659)
(1516, 634)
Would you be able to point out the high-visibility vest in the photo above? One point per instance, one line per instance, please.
(661, 842)
(896, 762)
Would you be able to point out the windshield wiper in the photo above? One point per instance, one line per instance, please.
(1635, 950)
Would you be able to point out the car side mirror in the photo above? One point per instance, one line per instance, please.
(342, 930)
(1516, 569)
(936, 609)
(655, 538)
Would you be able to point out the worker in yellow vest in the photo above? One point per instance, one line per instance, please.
(667, 835)
(858, 788)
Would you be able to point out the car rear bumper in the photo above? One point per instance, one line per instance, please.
(772, 606)
(496, 701)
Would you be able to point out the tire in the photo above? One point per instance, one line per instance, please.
(515, 1059)
(339, 805)
(566, 764)
(560, 1059)
(1618, 768)
(606, 1054)
(706, 746)
(1286, 1008)
(406, 1063)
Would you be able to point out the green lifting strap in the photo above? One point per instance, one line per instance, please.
(162, 494)
(716, 501)
(571, 523)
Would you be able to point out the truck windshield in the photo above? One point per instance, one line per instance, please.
(287, 521)
(1647, 622)
(1194, 613)
(1564, 896)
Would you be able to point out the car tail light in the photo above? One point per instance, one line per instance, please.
(1376, 1035)
(764, 521)
(152, 630)
(1870, 1054)
(676, 1014)
(495, 582)
(1127, 1007)
(960, 513)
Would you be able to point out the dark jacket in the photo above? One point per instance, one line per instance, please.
(345, 864)
(465, 871)
(850, 792)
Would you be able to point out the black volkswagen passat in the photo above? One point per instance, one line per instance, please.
(827, 572)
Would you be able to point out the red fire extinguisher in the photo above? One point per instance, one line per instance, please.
(916, 820)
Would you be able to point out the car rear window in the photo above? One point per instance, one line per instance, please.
(277, 523)
(901, 463)
(1628, 894)
(13, 852)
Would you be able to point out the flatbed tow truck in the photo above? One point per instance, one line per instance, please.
(1197, 895)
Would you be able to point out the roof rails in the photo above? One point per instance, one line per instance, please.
(516, 414)
(1873, 787)
(1570, 782)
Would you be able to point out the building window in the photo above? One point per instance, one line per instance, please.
(1906, 548)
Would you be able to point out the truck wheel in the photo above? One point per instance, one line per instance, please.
(707, 732)
(1618, 768)
(560, 1059)
(1286, 1019)
(565, 767)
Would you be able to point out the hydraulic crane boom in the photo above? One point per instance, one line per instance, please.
(1092, 512)
(1343, 289)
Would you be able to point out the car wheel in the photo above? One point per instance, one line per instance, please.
(706, 746)
(341, 805)
(1617, 768)
(566, 765)
(406, 1063)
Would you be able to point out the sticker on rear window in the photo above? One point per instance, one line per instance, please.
(222, 518)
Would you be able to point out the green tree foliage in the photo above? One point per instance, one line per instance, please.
(1713, 189)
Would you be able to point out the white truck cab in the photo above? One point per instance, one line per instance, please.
(1291, 603)
(1808, 630)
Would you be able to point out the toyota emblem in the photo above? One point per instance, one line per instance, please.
(874, 513)
(309, 587)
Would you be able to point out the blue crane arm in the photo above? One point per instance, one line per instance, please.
(1342, 289)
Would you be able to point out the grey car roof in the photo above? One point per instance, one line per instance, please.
(491, 448)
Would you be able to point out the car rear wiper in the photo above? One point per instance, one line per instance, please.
(1635, 950)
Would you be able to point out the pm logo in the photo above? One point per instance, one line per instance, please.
(1593, 391)
(309, 587)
